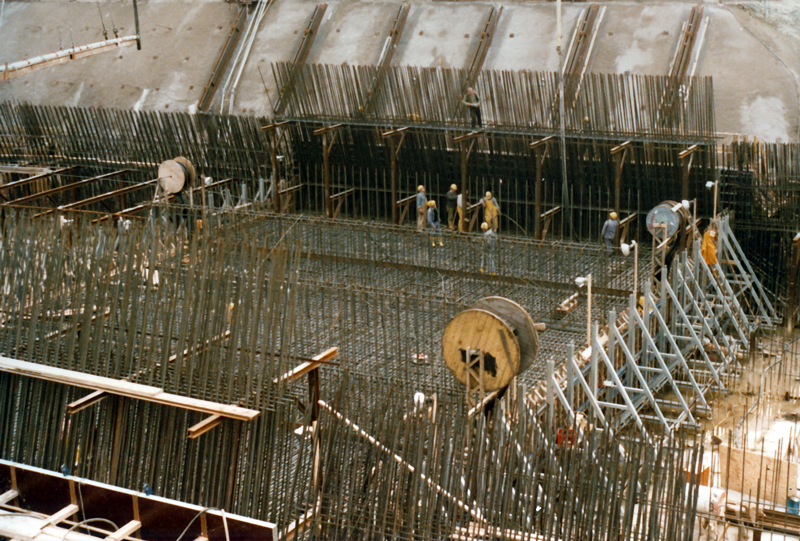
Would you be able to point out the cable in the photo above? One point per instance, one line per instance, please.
(87, 521)
(186, 529)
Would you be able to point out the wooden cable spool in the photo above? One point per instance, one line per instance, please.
(503, 330)
(175, 174)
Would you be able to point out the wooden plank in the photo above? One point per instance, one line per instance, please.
(123, 388)
(204, 426)
(26, 181)
(60, 516)
(304, 368)
(8, 495)
(223, 59)
(63, 188)
(101, 197)
(86, 401)
(776, 478)
(125, 531)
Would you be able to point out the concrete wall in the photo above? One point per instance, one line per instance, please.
(754, 68)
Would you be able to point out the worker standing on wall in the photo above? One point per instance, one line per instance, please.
(452, 204)
(422, 206)
(489, 249)
(609, 232)
(433, 220)
(491, 211)
(473, 103)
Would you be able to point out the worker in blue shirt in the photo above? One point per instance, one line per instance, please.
(609, 232)
(422, 207)
(433, 220)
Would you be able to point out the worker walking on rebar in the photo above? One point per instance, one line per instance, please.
(491, 211)
(422, 207)
(452, 204)
(609, 232)
(708, 249)
(488, 253)
(433, 221)
(473, 103)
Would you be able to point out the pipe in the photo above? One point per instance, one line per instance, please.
(249, 36)
(252, 39)
(42, 61)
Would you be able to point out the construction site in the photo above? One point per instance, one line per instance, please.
(287, 270)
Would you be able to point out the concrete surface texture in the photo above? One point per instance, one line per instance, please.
(751, 49)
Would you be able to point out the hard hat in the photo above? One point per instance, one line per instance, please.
(453, 187)
(420, 188)
(613, 215)
(488, 195)
(713, 232)
(484, 226)
(431, 203)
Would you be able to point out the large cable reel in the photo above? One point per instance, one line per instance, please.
(498, 328)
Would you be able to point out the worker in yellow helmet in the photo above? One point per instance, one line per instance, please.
(609, 232)
(491, 211)
(433, 221)
(452, 204)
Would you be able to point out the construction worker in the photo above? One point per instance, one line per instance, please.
(452, 204)
(433, 220)
(708, 249)
(609, 232)
(489, 248)
(422, 206)
(491, 211)
(473, 103)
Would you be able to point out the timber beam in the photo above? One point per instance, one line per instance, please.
(385, 59)
(309, 34)
(60, 189)
(223, 59)
(119, 387)
(25, 181)
(487, 35)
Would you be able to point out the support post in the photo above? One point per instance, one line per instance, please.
(620, 152)
(792, 294)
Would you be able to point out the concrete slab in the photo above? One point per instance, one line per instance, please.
(356, 33)
(443, 34)
(526, 37)
(639, 39)
(752, 53)
(178, 40)
(755, 92)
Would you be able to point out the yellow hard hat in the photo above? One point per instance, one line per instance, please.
(431, 203)
(488, 195)
(613, 215)
(453, 187)
(420, 188)
(484, 226)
